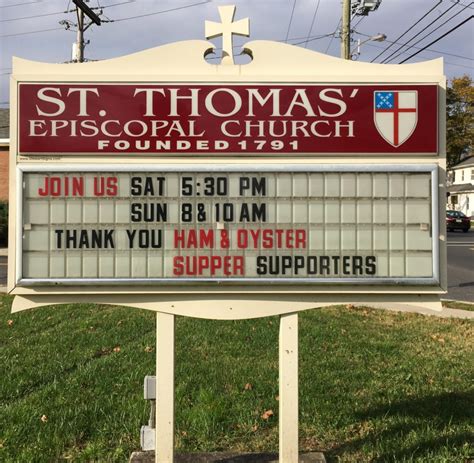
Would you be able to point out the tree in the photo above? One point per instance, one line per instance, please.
(460, 119)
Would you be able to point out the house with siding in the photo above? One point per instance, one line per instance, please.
(4, 152)
(460, 187)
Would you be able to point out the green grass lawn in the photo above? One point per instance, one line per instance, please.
(375, 386)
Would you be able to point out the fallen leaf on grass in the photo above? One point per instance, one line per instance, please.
(248, 387)
(267, 414)
(254, 428)
(117, 349)
(277, 397)
(103, 351)
(148, 349)
(44, 418)
(10, 322)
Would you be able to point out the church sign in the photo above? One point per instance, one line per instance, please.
(231, 191)
(296, 172)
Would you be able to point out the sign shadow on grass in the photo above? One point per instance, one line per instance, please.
(414, 427)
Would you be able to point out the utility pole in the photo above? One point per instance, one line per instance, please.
(81, 9)
(79, 45)
(346, 30)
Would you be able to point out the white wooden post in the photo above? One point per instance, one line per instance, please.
(289, 388)
(164, 437)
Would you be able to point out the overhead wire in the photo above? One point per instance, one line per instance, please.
(438, 39)
(415, 47)
(20, 4)
(333, 35)
(32, 17)
(446, 62)
(128, 18)
(316, 37)
(114, 20)
(312, 39)
(463, 4)
(429, 33)
(358, 22)
(408, 30)
(59, 12)
(337, 28)
(313, 21)
(32, 32)
(389, 58)
(291, 20)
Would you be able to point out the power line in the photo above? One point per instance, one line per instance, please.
(291, 20)
(20, 4)
(358, 22)
(446, 62)
(463, 4)
(31, 17)
(59, 12)
(389, 58)
(429, 33)
(312, 39)
(432, 50)
(408, 30)
(333, 35)
(32, 32)
(438, 39)
(160, 12)
(312, 22)
(316, 37)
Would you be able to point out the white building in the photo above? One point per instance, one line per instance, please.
(460, 187)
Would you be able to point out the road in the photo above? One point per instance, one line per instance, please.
(460, 266)
(3, 270)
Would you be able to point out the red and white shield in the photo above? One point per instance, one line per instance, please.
(396, 115)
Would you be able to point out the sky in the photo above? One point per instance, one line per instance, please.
(40, 37)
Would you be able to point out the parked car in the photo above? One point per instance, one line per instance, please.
(456, 220)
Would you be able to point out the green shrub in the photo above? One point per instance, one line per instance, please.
(3, 223)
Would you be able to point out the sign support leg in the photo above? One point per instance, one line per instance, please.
(164, 437)
(288, 426)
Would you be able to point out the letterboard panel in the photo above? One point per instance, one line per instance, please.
(230, 223)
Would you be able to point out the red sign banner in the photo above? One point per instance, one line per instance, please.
(247, 119)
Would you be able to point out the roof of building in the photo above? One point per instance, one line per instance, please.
(4, 123)
(467, 162)
(462, 188)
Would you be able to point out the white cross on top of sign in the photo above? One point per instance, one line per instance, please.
(226, 28)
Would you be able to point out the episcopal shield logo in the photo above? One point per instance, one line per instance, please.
(396, 115)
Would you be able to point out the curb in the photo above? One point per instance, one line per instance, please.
(458, 301)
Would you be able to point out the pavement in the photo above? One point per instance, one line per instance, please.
(3, 269)
(461, 266)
